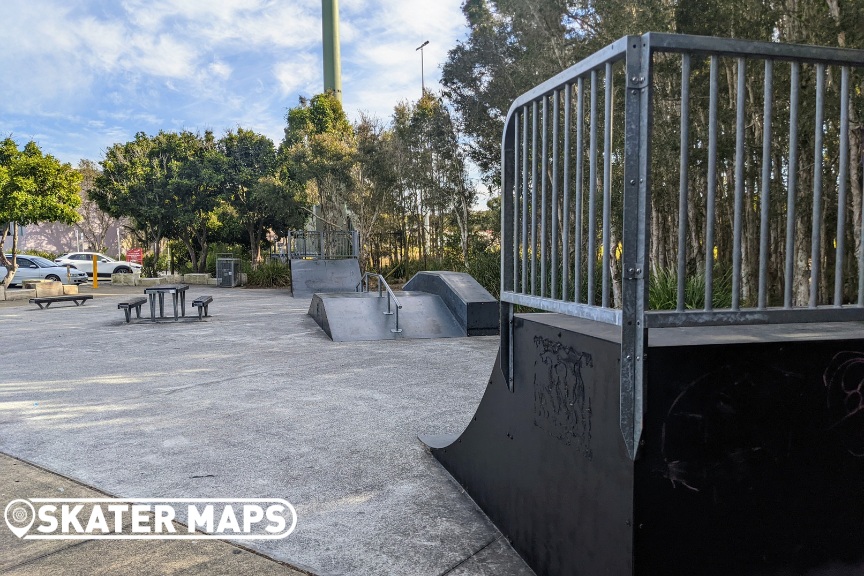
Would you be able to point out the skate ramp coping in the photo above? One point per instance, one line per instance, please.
(324, 276)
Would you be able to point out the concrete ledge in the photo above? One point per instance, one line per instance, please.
(69, 289)
(45, 287)
(150, 281)
(212, 282)
(196, 278)
(24, 294)
(474, 308)
(2, 293)
(125, 279)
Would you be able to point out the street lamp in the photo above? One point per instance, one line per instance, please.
(422, 82)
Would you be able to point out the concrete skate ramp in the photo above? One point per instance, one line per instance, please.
(310, 276)
(360, 316)
(473, 306)
(750, 460)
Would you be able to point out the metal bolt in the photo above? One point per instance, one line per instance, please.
(629, 357)
(630, 270)
(638, 270)
(634, 79)
(632, 182)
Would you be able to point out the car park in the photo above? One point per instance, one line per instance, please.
(38, 268)
(105, 265)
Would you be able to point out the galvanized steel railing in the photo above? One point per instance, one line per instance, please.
(382, 286)
(581, 228)
(326, 245)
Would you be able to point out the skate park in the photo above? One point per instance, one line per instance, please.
(601, 435)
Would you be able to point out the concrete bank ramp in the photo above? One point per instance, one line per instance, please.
(311, 276)
(361, 316)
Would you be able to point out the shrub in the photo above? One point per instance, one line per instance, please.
(663, 290)
(272, 274)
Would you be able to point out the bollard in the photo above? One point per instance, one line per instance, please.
(95, 273)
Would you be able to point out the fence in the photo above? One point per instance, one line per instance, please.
(730, 168)
(326, 245)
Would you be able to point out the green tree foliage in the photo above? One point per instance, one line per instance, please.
(257, 195)
(34, 187)
(318, 152)
(133, 185)
(433, 175)
(195, 188)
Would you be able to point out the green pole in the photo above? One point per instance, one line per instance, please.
(330, 34)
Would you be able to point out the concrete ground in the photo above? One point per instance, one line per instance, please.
(255, 402)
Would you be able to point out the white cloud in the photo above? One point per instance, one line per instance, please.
(82, 74)
(298, 74)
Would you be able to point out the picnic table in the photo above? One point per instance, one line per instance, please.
(177, 291)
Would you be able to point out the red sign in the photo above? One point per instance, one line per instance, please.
(135, 255)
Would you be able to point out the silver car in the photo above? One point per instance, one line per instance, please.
(38, 268)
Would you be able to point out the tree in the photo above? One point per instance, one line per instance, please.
(132, 184)
(258, 197)
(94, 224)
(317, 152)
(195, 178)
(433, 173)
(34, 187)
(374, 178)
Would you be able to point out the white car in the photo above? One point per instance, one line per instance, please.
(38, 268)
(105, 265)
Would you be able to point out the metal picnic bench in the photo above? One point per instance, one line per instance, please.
(46, 301)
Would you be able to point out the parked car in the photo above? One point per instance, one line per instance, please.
(38, 268)
(105, 265)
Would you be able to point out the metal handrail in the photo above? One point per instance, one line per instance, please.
(382, 283)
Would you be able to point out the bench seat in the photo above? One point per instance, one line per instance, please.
(46, 301)
(202, 302)
(135, 303)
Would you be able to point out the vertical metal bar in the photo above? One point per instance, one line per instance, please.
(533, 197)
(591, 256)
(577, 209)
(843, 171)
(683, 178)
(711, 201)
(543, 203)
(816, 232)
(766, 184)
(565, 223)
(556, 97)
(524, 238)
(607, 183)
(791, 183)
(516, 239)
(739, 187)
(508, 247)
(636, 222)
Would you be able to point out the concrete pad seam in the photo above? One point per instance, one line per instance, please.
(83, 485)
(470, 556)
(47, 555)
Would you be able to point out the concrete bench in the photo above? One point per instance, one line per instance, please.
(202, 302)
(46, 301)
(135, 303)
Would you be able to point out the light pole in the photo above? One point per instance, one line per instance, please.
(422, 81)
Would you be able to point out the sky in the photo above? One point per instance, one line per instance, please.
(79, 76)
